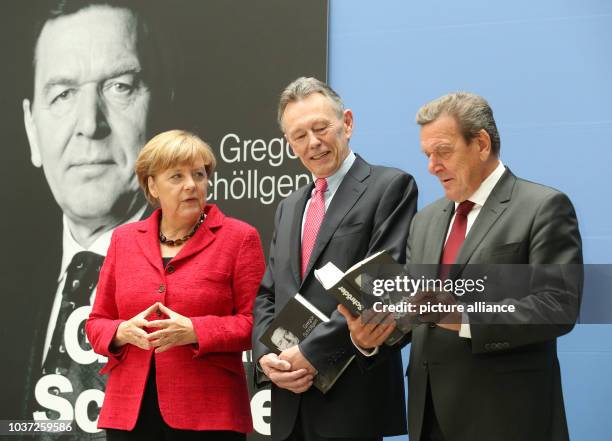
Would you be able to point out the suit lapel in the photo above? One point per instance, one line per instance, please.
(427, 265)
(205, 235)
(437, 234)
(148, 239)
(296, 231)
(350, 190)
(149, 242)
(496, 204)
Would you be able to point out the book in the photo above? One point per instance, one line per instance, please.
(292, 325)
(354, 288)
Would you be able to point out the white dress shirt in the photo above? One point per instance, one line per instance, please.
(479, 197)
(70, 247)
(333, 183)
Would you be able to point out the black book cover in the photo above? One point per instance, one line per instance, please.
(354, 288)
(291, 326)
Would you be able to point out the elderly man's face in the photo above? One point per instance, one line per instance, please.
(459, 165)
(316, 134)
(88, 118)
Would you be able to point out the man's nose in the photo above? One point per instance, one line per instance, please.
(434, 165)
(91, 119)
(313, 140)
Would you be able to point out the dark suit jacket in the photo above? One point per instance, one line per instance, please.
(213, 281)
(28, 310)
(36, 297)
(370, 211)
(504, 383)
(34, 275)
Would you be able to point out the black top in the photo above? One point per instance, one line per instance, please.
(166, 260)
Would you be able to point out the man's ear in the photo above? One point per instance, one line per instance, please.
(31, 132)
(292, 149)
(152, 187)
(348, 122)
(484, 144)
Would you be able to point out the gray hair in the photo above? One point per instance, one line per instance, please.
(304, 87)
(472, 113)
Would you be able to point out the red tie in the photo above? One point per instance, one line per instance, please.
(457, 234)
(314, 218)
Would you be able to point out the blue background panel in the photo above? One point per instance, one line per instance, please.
(545, 68)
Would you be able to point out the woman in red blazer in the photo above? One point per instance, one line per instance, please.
(173, 306)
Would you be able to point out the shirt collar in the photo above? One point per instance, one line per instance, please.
(480, 196)
(333, 181)
(70, 246)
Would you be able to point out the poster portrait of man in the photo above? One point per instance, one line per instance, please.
(88, 84)
(284, 338)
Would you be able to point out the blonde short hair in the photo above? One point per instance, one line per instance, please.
(167, 150)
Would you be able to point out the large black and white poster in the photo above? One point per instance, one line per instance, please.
(117, 75)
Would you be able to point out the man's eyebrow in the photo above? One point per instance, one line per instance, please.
(440, 144)
(296, 131)
(312, 124)
(61, 80)
(123, 70)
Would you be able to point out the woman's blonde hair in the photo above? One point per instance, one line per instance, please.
(167, 150)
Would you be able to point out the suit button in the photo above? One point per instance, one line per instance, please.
(161, 288)
(424, 364)
(506, 345)
(487, 346)
(432, 325)
(170, 269)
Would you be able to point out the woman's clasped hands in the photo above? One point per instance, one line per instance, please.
(175, 330)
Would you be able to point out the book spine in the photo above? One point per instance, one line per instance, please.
(349, 296)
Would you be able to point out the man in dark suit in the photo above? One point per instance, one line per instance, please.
(474, 376)
(352, 210)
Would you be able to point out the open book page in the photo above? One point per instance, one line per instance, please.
(328, 275)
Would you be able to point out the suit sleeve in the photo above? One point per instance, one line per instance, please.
(232, 333)
(398, 205)
(369, 362)
(104, 319)
(552, 303)
(330, 343)
(264, 309)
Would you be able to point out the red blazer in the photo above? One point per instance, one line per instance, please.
(213, 280)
